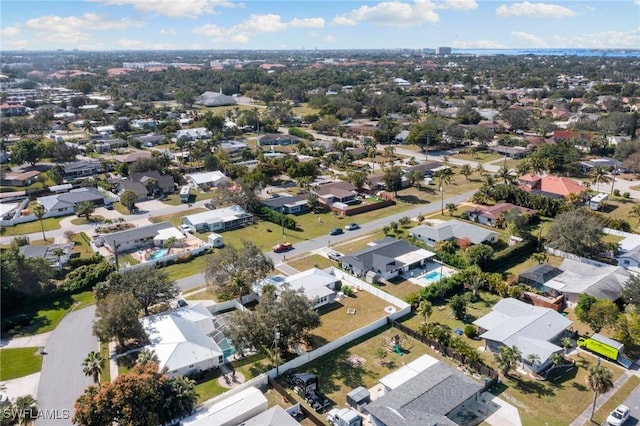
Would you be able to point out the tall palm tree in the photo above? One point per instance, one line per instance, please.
(26, 409)
(506, 174)
(635, 211)
(93, 365)
(480, 169)
(445, 177)
(425, 309)
(599, 175)
(39, 211)
(466, 171)
(533, 359)
(599, 380)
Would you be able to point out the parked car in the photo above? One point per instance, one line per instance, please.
(618, 416)
(352, 227)
(334, 255)
(335, 231)
(187, 228)
(282, 247)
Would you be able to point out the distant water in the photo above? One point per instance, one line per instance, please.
(633, 53)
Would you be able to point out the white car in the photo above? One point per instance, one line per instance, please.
(187, 228)
(618, 416)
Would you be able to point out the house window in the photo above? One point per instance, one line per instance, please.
(626, 261)
(191, 366)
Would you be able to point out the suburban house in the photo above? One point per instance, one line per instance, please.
(609, 164)
(132, 157)
(493, 215)
(207, 179)
(219, 219)
(319, 286)
(181, 339)
(387, 258)
(65, 203)
(149, 140)
(453, 230)
(81, 169)
(532, 329)
(287, 204)
(423, 392)
(573, 278)
(142, 236)
(48, 253)
(232, 146)
(278, 139)
(19, 178)
(509, 151)
(335, 192)
(427, 168)
(210, 99)
(551, 186)
(401, 137)
(194, 134)
(146, 184)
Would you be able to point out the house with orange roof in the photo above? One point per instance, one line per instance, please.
(551, 186)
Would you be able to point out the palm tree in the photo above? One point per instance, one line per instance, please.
(480, 169)
(507, 358)
(146, 356)
(506, 174)
(540, 257)
(58, 253)
(599, 175)
(128, 198)
(523, 167)
(87, 127)
(533, 359)
(635, 211)
(85, 208)
(566, 343)
(466, 171)
(39, 211)
(26, 409)
(169, 243)
(444, 176)
(415, 177)
(451, 208)
(425, 309)
(93, 365)
(599, 381)
(556, 359)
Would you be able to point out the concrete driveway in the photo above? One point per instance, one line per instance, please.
(61, 378)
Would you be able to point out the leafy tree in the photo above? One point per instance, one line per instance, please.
(148, 285)
(118, 318)
(603, 313)
(243, 194)
(142, 397)
(128, 198)
(577, 232)
(479, 254)
(415, 178)
(289, 312)
(26, 151)
(40, 211)
(86, 209)
(583, 306)
(599, 380)
(631, 291)
(233, 271)
(458, 305)
(146, 356)
(93, 365)
(393, 179)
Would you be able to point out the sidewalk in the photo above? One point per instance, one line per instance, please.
(585, 417)
(113, 364)
(26, 341)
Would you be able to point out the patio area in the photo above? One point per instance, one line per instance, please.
(432, 272)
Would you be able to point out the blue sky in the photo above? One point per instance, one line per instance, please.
(311, 24)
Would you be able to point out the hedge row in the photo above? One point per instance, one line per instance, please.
(278, 218)
(294, 131)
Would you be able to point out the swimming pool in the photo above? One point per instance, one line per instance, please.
(430, 277)
(159, 253)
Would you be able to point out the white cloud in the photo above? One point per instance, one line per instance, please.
(256, 24)
(479, 44)
(15, 44)
(394, 13)
(637, 2)
(175, 8)
(168, 31)
(534, 10)
(533, 40)
(73, 24)
(10, 32)
(603, 40)
(130, 44)
(457, 4)
(329, 39)
(307, 23)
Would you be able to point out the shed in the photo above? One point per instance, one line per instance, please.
(358, 397)
(215, 240)
(372, 277)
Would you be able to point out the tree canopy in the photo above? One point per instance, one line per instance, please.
(577, 232)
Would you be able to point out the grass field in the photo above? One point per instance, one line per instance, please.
(81, 246)
(479, 157)
(19, 362)
(182, 270)
(312, 261)
(49, 224)
(105, 377)
(45, 315)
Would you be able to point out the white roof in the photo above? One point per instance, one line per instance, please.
(217, 215)
(230, 410)
(166, 233)
(408, 372)
(201, 178)
(181, 337)
(415, 256)
(603, 282)
(6, 208)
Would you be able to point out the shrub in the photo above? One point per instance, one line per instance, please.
(294, 131)
(470, 331)
(346, 290)
(616, 192)
(85, 277)
(626, 195)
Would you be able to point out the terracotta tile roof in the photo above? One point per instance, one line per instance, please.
(494, 212)
(551, 184)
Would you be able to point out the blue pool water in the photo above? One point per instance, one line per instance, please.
(159, 253)
(431, 277)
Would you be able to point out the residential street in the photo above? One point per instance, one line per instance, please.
(61, 379)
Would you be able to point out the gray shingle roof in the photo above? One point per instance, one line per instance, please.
(453, 229)
(135, 233)
(381, 256)
(425, 399)
(70, 199)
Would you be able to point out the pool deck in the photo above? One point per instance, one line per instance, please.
(417, 276)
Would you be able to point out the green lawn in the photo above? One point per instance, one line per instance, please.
(176, 218)
(312, 261)
(81, 246)
(44, 316)
(127, 259)
(19, 362)
(31, 227)
(105, 377)
(616, 399)
(84, 221)
(182, 270)
(479, 157)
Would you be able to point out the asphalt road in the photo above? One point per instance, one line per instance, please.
(633, 402)
(61, 379)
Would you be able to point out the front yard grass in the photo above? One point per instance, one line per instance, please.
(105, 376)
(311, 261)
(176, 218)
(44, 316)
(49, 224)
(19, 362)
(81, 246)
(616, 399)
(479, 157)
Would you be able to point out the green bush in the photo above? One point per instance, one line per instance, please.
(278, 218)
(294, 131)
(616, 192)
(346, 290)
(85, 277)
(470, 331)
(626, 195)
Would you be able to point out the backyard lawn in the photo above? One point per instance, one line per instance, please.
(43, 316)
(19, 362)
(182, 270)
(400, 288)
(31, 227)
